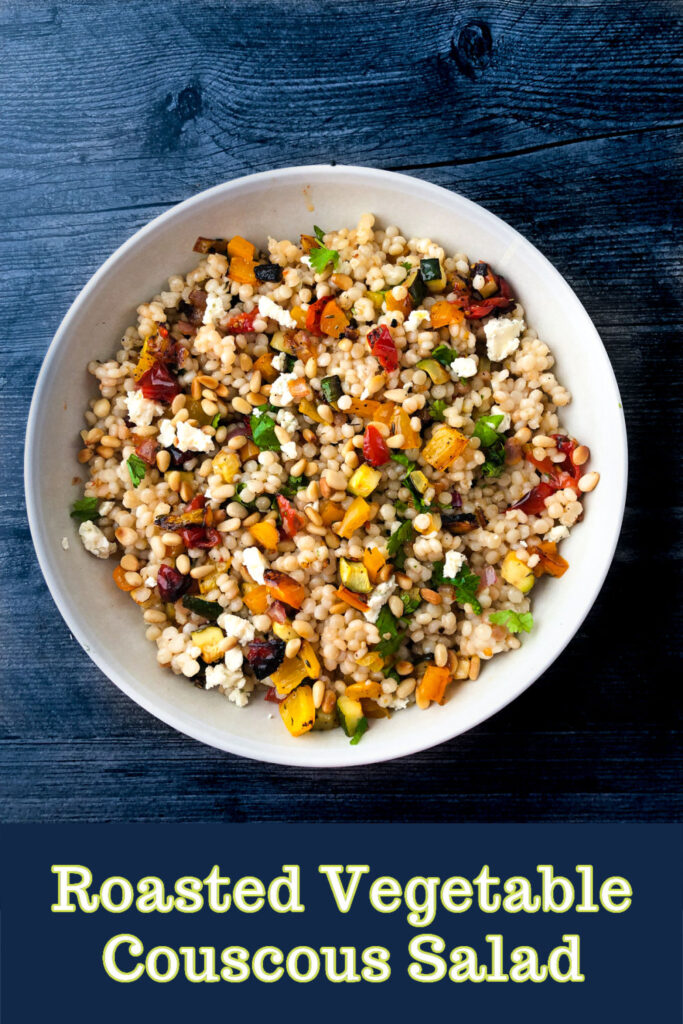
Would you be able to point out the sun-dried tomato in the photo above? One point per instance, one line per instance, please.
(383, 347)
(375, 450)
(240, 323)
(159, 384)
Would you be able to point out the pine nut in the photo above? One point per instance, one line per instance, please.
(255, 382)
(207, 382)
(422, 701)
(406, 688)
(186, 490)
(581, 455)
(329, 701)
(110, 442)
(384, 574)
(125, 536)
(172, 540)
(463, 668)
(314, 516)
(200, 571)
(235, 443)
(404, 582)
(292, 648)
(210, 408)
(318, 691)
(141, 595)
(395, 395)
(342, 281)
(382, 428)
(178, 403)
(158, 548)
(304, 629)
(239, 405)
(474, 667)
(129, 563)
(404, 668)
(430, 596)
(441, 655)
(133, 579)
(85, 455)
(163, 460)
(173, 480)
(396, 441)
(182, 564)
(154, 615)
(589, 482)
(195, 389)
(101, 408)
(396, 605)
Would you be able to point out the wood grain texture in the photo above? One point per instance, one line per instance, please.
(564, 119)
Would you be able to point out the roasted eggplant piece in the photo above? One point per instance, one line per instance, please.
(458, 522)
(268, 272)
(173, 522)
(205, 245)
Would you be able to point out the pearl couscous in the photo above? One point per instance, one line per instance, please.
(331, 472)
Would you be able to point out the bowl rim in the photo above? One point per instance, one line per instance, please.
(412, 741)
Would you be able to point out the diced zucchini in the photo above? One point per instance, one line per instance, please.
(298, 711)
(419, 480)
(207, 609)
(490, 285)
(438, 373)
(210, 642)
(364, 481)
(377, 298)
(196, 412)
(354, 575)
(517, 573)
(350, 713)
(284, 631)
(280, 342)
(416, 286)
(331, 389)
(433, 274)
(325, 720)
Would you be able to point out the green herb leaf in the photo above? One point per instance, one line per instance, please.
(465, 584)
(387, 623)
(361, 729)
(216, 420)
(444, 355)
(400, 507)
(289, 363)
(85, 509)
(514, 622)
(392, 674)
(404, 461)
(319, 255)
(396, 545)
(485, 429)
(263, 429)
(137, 468)
(438, 408)
(293, 484)
(407, 266)
(411, 601)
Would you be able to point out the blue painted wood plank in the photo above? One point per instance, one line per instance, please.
(561, 117)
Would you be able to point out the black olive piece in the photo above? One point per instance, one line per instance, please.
(268, 272)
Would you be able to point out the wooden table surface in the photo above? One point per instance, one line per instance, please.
(564, 119)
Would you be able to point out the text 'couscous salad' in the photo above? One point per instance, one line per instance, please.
(331, 472)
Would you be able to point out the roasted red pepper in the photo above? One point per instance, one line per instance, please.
(375, 450)
(476, 309)
(241, 323)
(533, 503)
(383, 348)
(158, 384)
(292, 520)
(559, 475)
(314, 314)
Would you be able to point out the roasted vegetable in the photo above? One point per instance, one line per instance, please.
(352, 599)
(325, 720)
(292, 520)
(383, 347)
(284, 588)
(375, 448)
(444, 313)
(517, 573)
(356, 515)
(265, 533)
(350, 713)
(298, 711)
(210, 642)
(433, 684)
(445, 446)
(401, 425)
(435, 371)
(255, 597)
(268, 272)
(333, 320)
(393, 304)
(265, 656)
(238, 246)
(373, 560)
(308, 409)
(205, 245)
(242, 271)
(226, 464)
(489, 286)
(433, 274)
(331, 512)
(354, 575)
(289, 674)
(549, 560)
(356, 691)
(172, 584)
(310, 659)
(332, 389)
(285, 631)
(364, 481)
(264, 365)
(458, 522)
(207, 609)
(418, 480)
(416, 286)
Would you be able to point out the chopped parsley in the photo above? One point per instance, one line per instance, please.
(216, 420)
(493, 443)
(137, 468)
(418, 501)
(407, 266)
(263, 429)
(514, 622)
(437, 409)
(238, 494)
(396, 545)
(319, 255)
(403, 460)
(444, 355)
(293, 484)
(391, 635)
(465, 584)
(85, 509)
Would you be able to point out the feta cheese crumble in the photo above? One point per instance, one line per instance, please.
(233, 625)
(279, 390)
(478, 282)
(141, 410)
(254, 563)
(184, 436)
(65, 543)
(289, 450)
(270, 309)
(214, 308)
(417, 317)
(453, 563)
(279, 361)
(228, 675)
(557, 533)
(502, 337)
(287, 421)
(464, 367)
(94, 540)
(378, 598)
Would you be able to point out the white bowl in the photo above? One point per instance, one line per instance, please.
(283, 203)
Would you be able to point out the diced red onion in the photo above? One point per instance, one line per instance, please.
(456, 499)
(489, 576)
